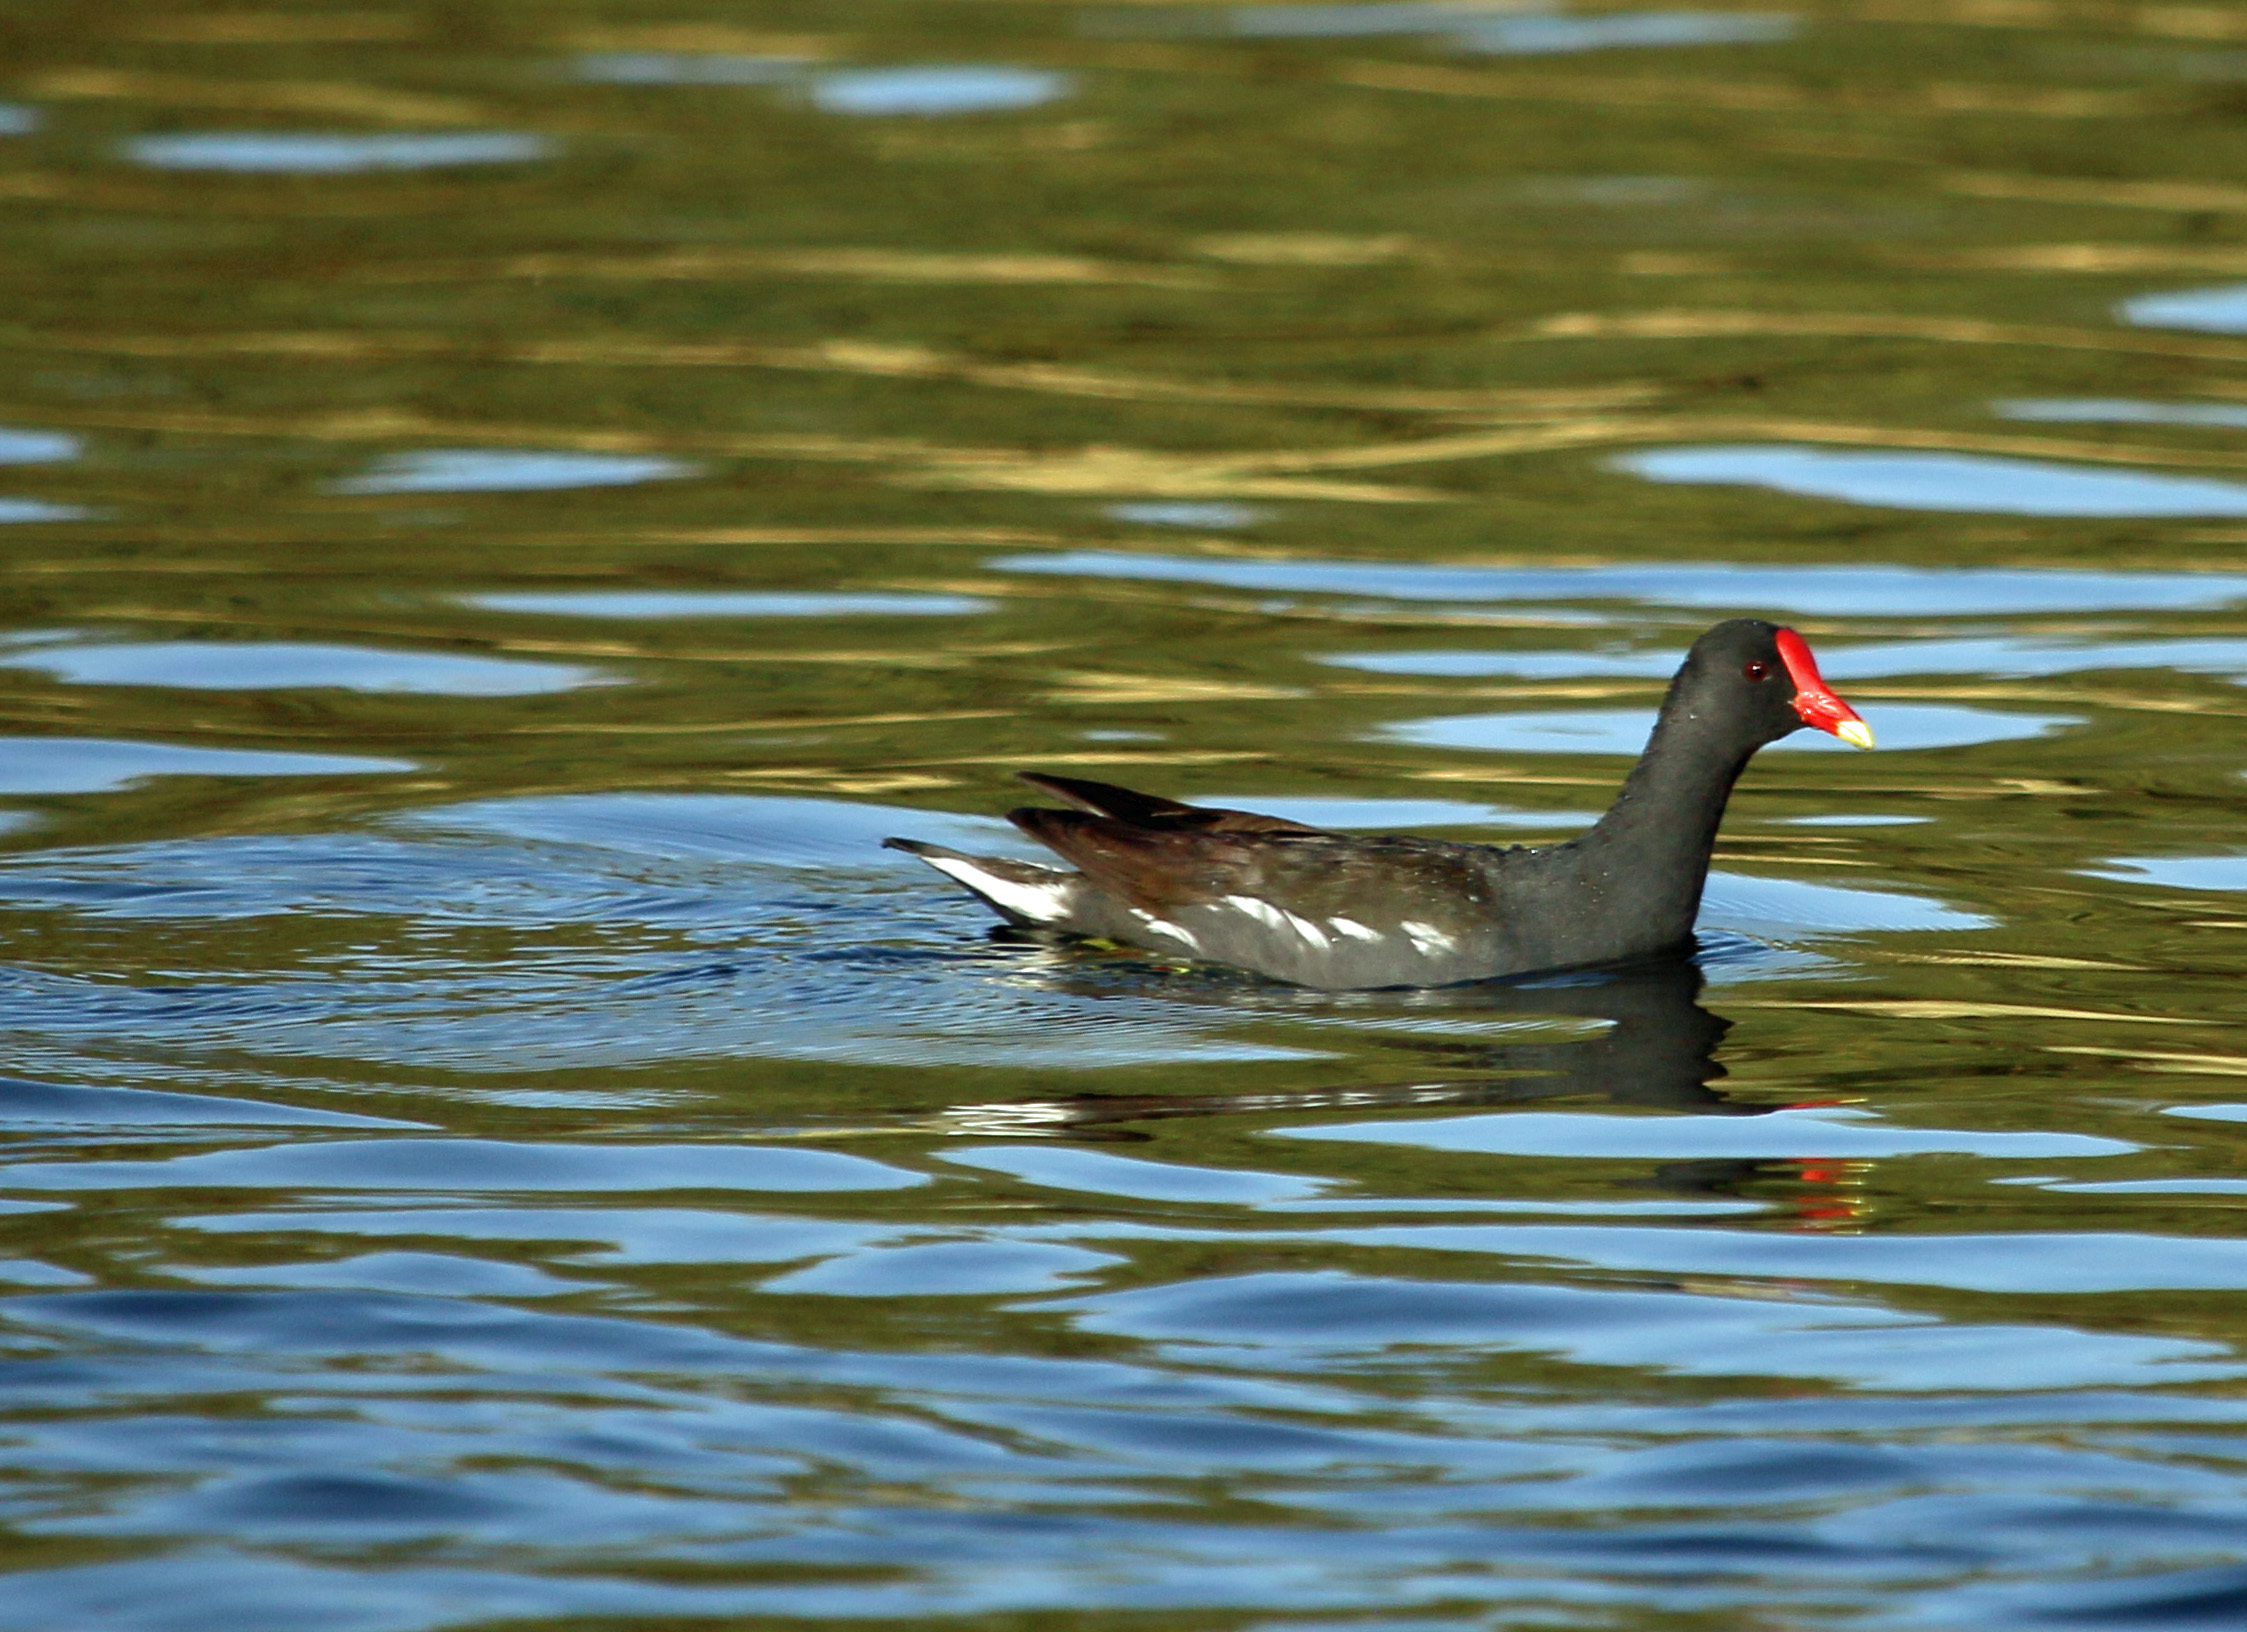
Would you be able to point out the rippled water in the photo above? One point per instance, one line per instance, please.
(506, 508)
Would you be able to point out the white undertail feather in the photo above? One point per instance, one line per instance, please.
(1040, 903)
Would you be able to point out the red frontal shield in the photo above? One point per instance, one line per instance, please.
(1814, 699)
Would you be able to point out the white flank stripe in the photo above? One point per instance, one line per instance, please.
(1040, 903)
(1272, 917)
(1429, 939)
(1262, 911)
(1157, 926)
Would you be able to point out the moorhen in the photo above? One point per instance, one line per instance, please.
(1343, 911)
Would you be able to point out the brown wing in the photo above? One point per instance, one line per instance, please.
(1151, 811)
(1153, 867)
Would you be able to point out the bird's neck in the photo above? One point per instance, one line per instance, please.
(1655, 841)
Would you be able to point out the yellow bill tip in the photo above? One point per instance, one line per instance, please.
(1854, 732)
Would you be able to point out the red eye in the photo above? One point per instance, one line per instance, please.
(1756, 671)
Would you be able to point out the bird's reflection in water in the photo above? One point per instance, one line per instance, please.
(1655, 1046)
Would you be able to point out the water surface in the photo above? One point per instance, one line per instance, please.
(507, 507)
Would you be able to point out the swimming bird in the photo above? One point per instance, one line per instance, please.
(1345, 911)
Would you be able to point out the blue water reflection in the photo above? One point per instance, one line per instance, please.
(2177, 872)
(1866, 592)
(34, 510)
(20, 447)
(2221, 310)
(25, 1104)
(1957, 482)
(101, 765)
(1101, 1173)
(509, 470)
(34, 1272)
(935, 91)
(2208, 1113)
(278, 665)
(324, 153)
